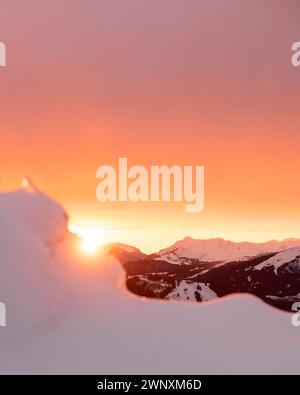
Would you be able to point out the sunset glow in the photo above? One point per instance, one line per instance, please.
(156, 100)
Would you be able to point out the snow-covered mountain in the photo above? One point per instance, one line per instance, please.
(201, 270)
(218, 249)
(68, 314)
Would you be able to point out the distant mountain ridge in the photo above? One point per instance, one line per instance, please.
(218, 249)
(202, 270)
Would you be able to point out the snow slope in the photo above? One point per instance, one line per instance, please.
(68, 314)
(292, 254)
(186, 290)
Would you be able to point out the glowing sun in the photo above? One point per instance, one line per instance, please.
(91, 236)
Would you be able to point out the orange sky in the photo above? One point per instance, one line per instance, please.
(207, 83)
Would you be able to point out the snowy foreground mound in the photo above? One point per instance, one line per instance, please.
(70, 315)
